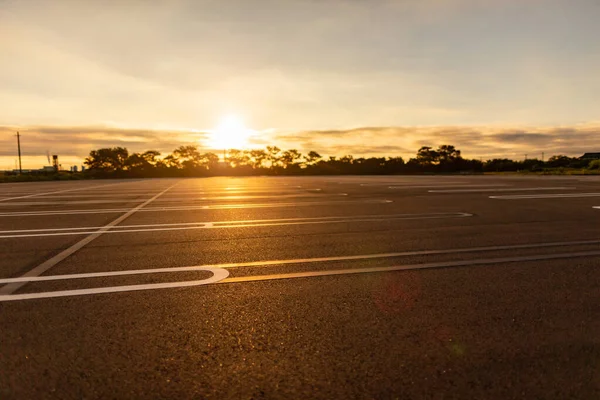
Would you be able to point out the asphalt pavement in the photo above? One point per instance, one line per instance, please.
(357, 287)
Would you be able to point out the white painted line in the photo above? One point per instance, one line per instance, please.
(447, 264)
(114, 194)
(166, 200)
(267, 263)
(46, 265)
(217, 275)
(596, 207)
(220, 275)
(421, 180)
(60, 191)
(409, 184)
(444, 186)
(545, 196)
(286, 196)
(189, 208)
(221, 224)
(500, 190)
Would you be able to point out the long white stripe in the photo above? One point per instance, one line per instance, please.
(500, 190)
(235, 222)
(267, 263)
(187, 208)
(442, 186)
(447, 264)
(60, 191)
(545, 196)
(222, 224)
(423, 182)
(219, 275)
(181, 193)
(167, 200)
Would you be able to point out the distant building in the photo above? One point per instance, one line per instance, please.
(590, 156)
(48, 168)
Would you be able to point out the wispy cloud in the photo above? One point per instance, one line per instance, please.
(475, 141)
(74, 143)
(78, 141)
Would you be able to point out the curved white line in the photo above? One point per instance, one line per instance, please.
(218, 274)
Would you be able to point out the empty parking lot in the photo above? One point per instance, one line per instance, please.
(301, 287)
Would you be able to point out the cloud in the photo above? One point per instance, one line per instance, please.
(474, 141)
(75, 143)
(78, 141)
(298, 64)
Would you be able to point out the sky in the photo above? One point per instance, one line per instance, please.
(379, 77)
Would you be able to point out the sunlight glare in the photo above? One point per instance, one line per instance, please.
(231, 133)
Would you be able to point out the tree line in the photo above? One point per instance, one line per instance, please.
(190, 161)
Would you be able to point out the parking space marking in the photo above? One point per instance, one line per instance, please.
(59, 191)
(446, 264)
(544, 196)
(180, 193)
(220, 224)
(168, 200)
(191, 208)
(267, 263)
(218, 274)
(443, 186)
(46, 265)
(500, 190)
(400, 184)
(221, 274)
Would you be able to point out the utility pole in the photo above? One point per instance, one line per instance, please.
(19, 147)
(542, 156)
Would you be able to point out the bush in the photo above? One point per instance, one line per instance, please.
(594, 164)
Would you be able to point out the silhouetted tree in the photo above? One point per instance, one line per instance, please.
(447, 153)
(237, 158)
(107, 159)
(187, 156)
(189, 161)
(559, 161)
(427, 156)
(312, 158)
(289, 157)
(273, 155)
(258, 158)
(172, 162)
(151, 156)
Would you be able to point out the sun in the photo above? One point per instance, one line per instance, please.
(231, 133)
